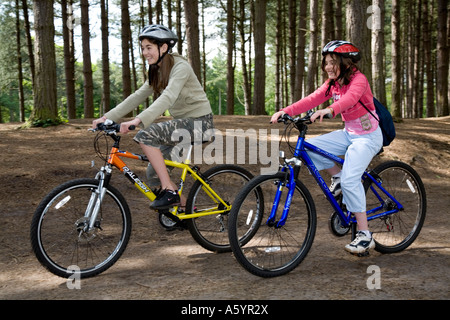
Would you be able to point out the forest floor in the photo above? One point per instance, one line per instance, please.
(164, 265)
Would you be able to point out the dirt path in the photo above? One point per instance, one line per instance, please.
(165, 265)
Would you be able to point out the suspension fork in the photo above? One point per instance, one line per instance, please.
(291, 173)
(93, 207)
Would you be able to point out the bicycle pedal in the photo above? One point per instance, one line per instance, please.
(363, 254)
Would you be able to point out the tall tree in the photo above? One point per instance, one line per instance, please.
(313, 44)
(442, 59)
(87, 64)
(292, 46)
(301, 44)
(338, 15)
(178, 28)
(278, 56)
(378, 51)
(428, 59)
(245, 72)
(106, 92)
(19, 65)
(327, 33)
(260, 57)
(230, 57)
(192, 35)
(29, 39)
(418, 67)
(69, 56)
(358, 33)
(44, 88)
(396, 108)
(125, 39)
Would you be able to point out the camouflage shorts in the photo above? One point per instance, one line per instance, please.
(169, 133)
(171, 136)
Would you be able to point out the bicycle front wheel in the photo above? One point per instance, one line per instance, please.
(211, 231)
(271, 250)
(395, 232)
(64, 244)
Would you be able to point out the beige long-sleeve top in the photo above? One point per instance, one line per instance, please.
(184, 97)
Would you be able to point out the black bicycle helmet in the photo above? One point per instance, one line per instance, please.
(160, 34)
(342, 48)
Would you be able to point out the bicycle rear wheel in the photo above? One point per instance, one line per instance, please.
(395, 232)
(268, 250)
(59, 235)
(211, 231)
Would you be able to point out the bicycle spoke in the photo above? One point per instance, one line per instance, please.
(60, 237)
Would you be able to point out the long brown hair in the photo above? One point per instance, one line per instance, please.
(347, 67)
(158, 76)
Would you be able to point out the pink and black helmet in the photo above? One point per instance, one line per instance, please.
(342, 48)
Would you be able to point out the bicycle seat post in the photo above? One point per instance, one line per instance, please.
(188, 155)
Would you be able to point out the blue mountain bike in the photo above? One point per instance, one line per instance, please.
(276, 214)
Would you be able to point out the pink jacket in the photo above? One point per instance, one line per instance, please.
(345, 99)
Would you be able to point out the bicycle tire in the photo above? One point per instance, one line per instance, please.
(272, 251)
(211, 231)
(396, 232)
(58, 240)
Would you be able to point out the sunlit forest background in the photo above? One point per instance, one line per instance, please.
(70, 59)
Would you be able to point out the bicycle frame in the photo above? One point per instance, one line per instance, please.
(300, 155)
(115, 160)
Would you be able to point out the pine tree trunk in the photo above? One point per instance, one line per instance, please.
(260, 57)
(359, 34)
(192, 35)
(301, 44)
(378, 51)
(44, 88)
(292, 46)
(396, 60)
(69, 56)
(87, 65)
(245, 75)
(278, 48)
(106, 93)
(230, 55)
(125, 39)
(442, 60)
(29, 39)
(313, 36)
(19, 66)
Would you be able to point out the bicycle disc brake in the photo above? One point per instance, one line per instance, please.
(336, 226)
(84, 233)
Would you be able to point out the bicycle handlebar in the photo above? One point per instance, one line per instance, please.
(285, 118)
(110, 126)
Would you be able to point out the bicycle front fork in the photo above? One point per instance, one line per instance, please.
(289, 182)
(95, 201)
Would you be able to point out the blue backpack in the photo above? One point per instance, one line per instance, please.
(385, 120)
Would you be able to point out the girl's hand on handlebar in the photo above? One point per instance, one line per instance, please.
(97, 121)
(276, 116)
(320, 114)
(128, 126)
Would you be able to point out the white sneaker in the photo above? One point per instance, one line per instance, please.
(335, 187)
(361, 244)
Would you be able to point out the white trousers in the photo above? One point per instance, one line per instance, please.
(358, 151)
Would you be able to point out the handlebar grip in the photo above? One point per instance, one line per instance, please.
(132, 127)
(328, 116)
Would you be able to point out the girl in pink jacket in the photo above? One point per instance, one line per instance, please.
(359, 141)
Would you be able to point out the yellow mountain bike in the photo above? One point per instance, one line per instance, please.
(85, 224)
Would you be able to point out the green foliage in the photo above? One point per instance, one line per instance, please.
(47, 123)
